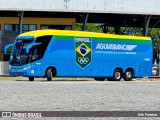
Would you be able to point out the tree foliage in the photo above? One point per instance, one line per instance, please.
(89, 27)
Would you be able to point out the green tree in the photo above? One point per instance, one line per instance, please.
(89, 27)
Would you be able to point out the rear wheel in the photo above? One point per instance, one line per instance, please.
(117, 75)
(31, 78)
(49, 74)
(128, 75)
(99, 78)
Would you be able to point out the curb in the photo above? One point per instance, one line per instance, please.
(44, 79)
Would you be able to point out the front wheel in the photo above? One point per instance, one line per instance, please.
(128, 75)
(31, 78)
(49, 74)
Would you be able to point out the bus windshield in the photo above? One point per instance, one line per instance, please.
(18, 55)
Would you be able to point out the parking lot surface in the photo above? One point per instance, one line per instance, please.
(79, 95)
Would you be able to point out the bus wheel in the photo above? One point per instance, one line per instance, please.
(31, 78)
(128, 75)
(49, 74)
(99, 78)
(117, 75)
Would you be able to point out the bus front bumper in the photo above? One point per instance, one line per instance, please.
(18, 72)
(26, 71)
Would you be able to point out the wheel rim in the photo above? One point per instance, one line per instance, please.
(117, 75)
(128, 74)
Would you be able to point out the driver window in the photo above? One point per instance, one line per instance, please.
(36, 53)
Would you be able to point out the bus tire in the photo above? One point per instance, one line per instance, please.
(49, 74)
(99, 78)
(128, 75)
(117, 75)
(31, 78)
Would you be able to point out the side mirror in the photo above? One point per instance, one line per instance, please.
(30, 46)
(7, 46)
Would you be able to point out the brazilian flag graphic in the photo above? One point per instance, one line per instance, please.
(83, 51)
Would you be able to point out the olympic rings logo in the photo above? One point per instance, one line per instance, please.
(83, 60)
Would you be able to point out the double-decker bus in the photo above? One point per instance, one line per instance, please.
(61, 53)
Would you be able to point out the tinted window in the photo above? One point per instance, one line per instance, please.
(45, 41)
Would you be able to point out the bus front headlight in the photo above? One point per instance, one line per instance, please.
(9, 67)
(27, 67)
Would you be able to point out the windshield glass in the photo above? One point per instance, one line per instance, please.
(18, 54)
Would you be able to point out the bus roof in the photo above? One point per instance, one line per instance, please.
(39, 33)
